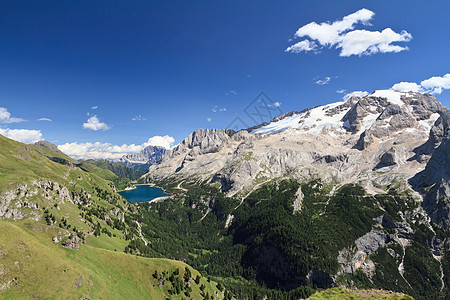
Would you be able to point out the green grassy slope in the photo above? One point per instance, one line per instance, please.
(34, 267)
(42, 198)
(345, 294)
(118, 169)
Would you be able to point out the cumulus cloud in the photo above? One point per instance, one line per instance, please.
(5, 117)
(356, 94)
(209, 119)
(341, 35)
(323, 81)
(277, 104)
(162, 141)
(22, 135)
(407, 86)
(138, 118)
(93, 123)
(99, 150)
(44, 119)
(436, 84)
(433, 85)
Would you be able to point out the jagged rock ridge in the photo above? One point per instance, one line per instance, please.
(142, 160)
(343, 142)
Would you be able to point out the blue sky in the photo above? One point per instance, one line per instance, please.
(160, 69)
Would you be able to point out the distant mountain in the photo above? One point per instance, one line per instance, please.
(142, 160)
(118, 169)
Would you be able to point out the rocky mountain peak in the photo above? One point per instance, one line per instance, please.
(203, 141)
(342, 141)
(142, 160)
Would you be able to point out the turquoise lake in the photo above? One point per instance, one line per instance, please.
(143, 193)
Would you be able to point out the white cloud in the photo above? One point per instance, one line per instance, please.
(324, 81)
(94, 107)
(364, 42)
(341, 91)
(162, 141)
(407, 86)
(44, 119)
(356, 94)
(22, 135)
(277, 104)
(5, 117)
(433, 85)
(341, 35)
(303, 46)
(436, 84)
(93, 123)
(99, 150)
(138, 118)
(209, 119)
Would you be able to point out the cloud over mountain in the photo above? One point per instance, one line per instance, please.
(22, 135)
(342, 35)
(99, 150)
(433, 85)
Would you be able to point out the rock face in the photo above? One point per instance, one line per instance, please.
(340, 142)
(144, 159)
(203, 141)
(354, 259)
(434, 181)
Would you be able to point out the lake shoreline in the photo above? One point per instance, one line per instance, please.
(141, 193)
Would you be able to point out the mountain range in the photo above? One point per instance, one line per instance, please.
(393, 147)
(142, 160)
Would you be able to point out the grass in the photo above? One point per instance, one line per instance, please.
(35, 267)
(345, 294)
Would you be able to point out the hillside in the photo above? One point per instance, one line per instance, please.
(118, 169)
(34, 267)
(64, 230)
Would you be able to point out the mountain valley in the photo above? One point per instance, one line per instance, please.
(353, 194)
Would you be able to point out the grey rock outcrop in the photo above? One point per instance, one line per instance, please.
(388, 158)
(353, 259)
(203, 141)
(434, 181)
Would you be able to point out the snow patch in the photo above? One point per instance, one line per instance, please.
(426, 125)
(391, 95)
(313, 121)
(369, 120)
